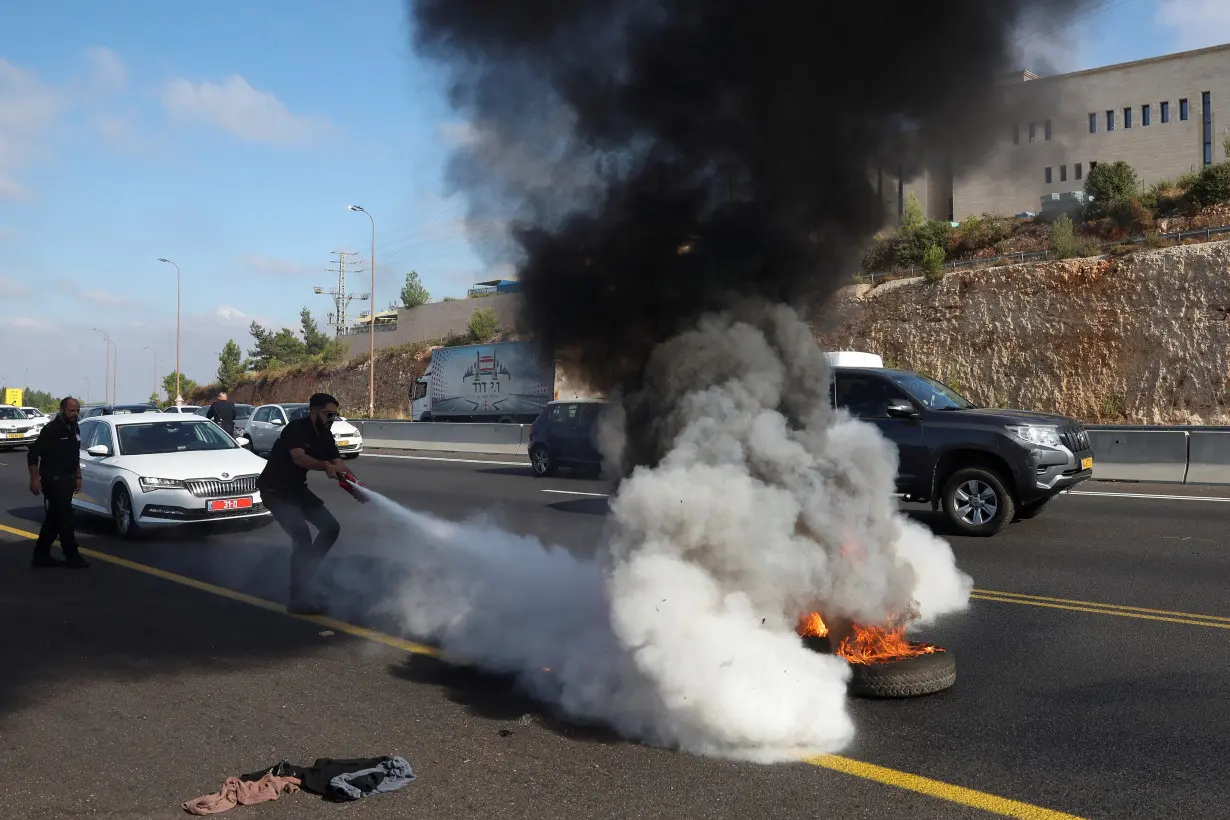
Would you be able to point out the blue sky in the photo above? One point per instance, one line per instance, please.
(230, 137)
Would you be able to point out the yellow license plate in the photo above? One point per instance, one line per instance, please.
(343, 443)
(16, 435)
(1087, 463)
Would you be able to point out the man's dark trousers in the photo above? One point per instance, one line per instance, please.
(229, 427)
(59, 520)
(294, 511)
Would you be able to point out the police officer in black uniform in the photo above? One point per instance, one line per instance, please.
(54, 460)
(304, 444)
(222, 411)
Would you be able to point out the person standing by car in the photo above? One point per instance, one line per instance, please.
(222, 411)
(54, 460)
(305, 444)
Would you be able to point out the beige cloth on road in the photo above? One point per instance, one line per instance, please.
(236, 792)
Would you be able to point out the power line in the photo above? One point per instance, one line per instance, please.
(341, 299)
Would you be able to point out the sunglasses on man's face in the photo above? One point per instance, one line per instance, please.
(330, 414)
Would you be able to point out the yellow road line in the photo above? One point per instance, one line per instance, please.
(868, 771)
(1095, 611)
(937, 788)
(1120, 607)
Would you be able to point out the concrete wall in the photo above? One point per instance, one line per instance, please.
(1014, 178)
(437, 320)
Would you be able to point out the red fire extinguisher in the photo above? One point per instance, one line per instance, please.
(350, 484)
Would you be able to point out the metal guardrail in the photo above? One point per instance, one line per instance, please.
(1146, 453)
(1043, 255)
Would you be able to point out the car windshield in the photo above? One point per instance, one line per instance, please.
(296, 412)
(172, 437)
(243, 411)
(931, 393)
(8, 413)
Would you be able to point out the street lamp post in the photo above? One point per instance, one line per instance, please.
(178, 396)
(107, 397)
(371, 323)
(156, 373)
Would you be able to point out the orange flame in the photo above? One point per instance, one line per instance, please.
(867, 644)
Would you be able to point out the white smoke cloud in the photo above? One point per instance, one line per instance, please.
(767, 505)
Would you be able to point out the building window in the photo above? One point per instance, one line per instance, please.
(1144, 115)
(1093, 123)
(1110, 120)
(1076, 170)
(1048, 131)
(1033, 128)
(1048, 175)
(1183, 109)
(1063, 173)
(1206, 127)
(1165, 111)
(1127, 117)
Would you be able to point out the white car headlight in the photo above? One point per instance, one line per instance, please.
(1038, 434)
(148, 485)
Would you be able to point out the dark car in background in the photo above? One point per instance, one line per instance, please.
(564, 435)
(116, 410)
(983, 466)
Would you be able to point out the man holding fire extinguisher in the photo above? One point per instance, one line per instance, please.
(305, 444)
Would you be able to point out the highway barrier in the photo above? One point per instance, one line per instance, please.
(1172, 455)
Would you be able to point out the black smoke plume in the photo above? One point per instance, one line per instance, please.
(663, 158)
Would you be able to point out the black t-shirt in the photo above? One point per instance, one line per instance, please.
(223, 411)
(281, 473)
(57, 452)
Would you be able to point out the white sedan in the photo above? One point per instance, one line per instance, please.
(16, 428)
(267, 422)
(161, 469)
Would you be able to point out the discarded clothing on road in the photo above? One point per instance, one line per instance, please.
(238, 792)
(343, 780)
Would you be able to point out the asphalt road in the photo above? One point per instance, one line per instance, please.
(147, 679)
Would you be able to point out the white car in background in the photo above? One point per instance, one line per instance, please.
(153, 470)
(184, 409)
(16, 428)
(268, 421)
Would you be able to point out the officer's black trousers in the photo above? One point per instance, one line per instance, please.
(59, 520)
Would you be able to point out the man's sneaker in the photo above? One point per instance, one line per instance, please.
(76, 562)
(45, 562)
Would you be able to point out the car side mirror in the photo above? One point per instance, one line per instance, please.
(242, 441)
(901, 409)
(99, 451)
(276, 421)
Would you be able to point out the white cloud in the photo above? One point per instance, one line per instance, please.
(107, 72)
(101, 298)
(239, 109)
(1194, 23)
(11, 290)
(27, 324)
(269, 266)
(28, 107)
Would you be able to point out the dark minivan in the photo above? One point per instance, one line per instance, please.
(563, 435)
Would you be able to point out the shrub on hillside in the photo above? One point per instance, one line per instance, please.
(915, 242)
(483, 324)
(1109, 184)
(978, 232)
(933, 263)
(882, 255)
(1132, 217)
(1063, 237)
(1164, 196)
(1212, 185)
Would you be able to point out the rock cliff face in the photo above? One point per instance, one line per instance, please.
(1143, 339)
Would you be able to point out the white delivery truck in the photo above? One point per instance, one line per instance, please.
(507, 382)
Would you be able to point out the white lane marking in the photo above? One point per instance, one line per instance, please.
(1150, 495)
(578, 492)
(525, 463)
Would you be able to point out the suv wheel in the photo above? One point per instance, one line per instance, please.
(976, 502)
(541, 461)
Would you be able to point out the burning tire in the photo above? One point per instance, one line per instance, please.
(906, 678)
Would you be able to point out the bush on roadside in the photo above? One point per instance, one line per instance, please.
(933, 263)
(1132, 217)
(1212, 185)
(1063, 237)
(979, 232)
(882, 255)
(915, 242)
(1110, 184)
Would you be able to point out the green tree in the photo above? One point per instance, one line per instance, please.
(230, 365)
(933, 263)
(186, 386)
(314, 342)
(1110, 184)
(912, 216)
(274, 349)
(483, 324)
(155, 399)
(413, 293)
(1212, 186)
(1063, 237)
